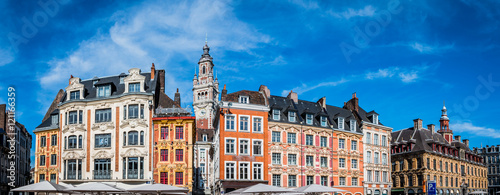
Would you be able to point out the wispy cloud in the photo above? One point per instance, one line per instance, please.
(306, 4)
(305, 88)
(468, 127)
(367, 11)
(430, 49)
(6, 57)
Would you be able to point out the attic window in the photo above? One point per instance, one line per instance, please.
(104, 91)
(323, 121)
(122, 78)
(74, 95)
(309, 119)
(276, 114)
(243, 99)
(353, 125)
(134, 87)
(291, 116)
(375, 119)
(340, 122)
(55, 119)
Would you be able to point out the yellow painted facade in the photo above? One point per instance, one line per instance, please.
(46, 168)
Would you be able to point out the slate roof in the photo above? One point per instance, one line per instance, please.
(47, 123)
(423, 139)
(302, 107)
(117, 88)
(254, 97)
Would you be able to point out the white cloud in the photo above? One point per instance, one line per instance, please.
(305, 88)
(367, 11)
(160, 32)
(305, 4)
(428, 49)
(6, 57)
(468, 127)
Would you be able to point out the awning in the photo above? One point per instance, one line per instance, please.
(398, 190)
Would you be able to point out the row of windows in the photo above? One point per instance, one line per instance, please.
(292, 160)
(105, 90)
(448, 167)
(53, 140)
(292, 117)
(132, 111)
(292, 139)
(244, 124)
(104, 140)
(417, 180)
(376, 140)
(292, 180)
(244, 171)
(53, 177)
(53, 160)
(244, 146)
(376, 158)
(376, 174)
(179, 155)
(179, 178)
(179, 133)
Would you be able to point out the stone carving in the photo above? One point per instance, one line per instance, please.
(103, 126)
(72, 128)
(73, 155)
(103, 154)
(134, 123)
(133, 152)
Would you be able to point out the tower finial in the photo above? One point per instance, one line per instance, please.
(206, 38)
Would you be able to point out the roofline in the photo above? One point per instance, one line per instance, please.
(173, 117)
(52, 127)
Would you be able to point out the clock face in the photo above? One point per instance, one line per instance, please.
(203, 112)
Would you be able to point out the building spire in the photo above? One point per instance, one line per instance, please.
(444, 113)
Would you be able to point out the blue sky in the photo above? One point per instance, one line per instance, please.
(403, 59)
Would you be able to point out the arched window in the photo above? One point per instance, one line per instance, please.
(142, 137)
(72, 142)
(133, 138)
(80, 141)
(124, 138)
(203, 70)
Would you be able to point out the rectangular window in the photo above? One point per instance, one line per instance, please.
(354, 181)
(292, 181)
(276, 114)
(53, 159)
(53, 140)
(133, 111)
(375, 139)
(202, 168)
(257, 147)
(341, 162)
(104, 91)
(134, 87)
(309, 140)
(102, 140)
(353, 125)
(164, 177)
(164, 133)
(384, 140)
(324, 162)
(102, 168)
(276, 159)
(276, 180)
(341, 143)
(74, 95)
(309, 119)
(230, 146)
(369, 175)
(276, 136)
(384, 159)
(384, 176)
(80, 116)
(340, 122)
(230, 120)
(309, 161)
(53, 178)
(354, 163)
(244, 123)
(368, 157)
(73, 117)
(292, 159)
(230, 171)
(376, 158)
(291, 138)
(323, 121)
(244, 99)
(309, 180)
(163, 155)
(133, 138)
(179, 132)
(257, 171)
(205, 137)
(244, 145)
(368, 138)
(323, 141)
(179, 154)
(103, 115)
(324, 181)
(342, 181)
(43, 141)
(244, 170)
(55, 119)
(41, 177)
(42, 160)
(257, 124)
(377, 176)
(202, 154)
(179, 178)
(291, 116)
(354, 145)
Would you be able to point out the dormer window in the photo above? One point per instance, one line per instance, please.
(243, 99)
(375, 119)
(353, 125)
(309, 119)
(74, 95)
(276, 114)
(340, 122)
(134, 87)
(55, 119)
(104, 91)
(291, 116)
(323, 121)
(121, 79)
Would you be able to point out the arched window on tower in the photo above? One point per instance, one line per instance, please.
(203, 70)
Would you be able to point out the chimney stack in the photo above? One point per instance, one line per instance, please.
(153, 71)
(161, 77)
(223, 93)
(69, 83)
(266, 91)
(458, 138)
(417, 124)
(466, 142)
(431, 127)
(177, 97)
(355, 101)
(322, 102)
(293, 96)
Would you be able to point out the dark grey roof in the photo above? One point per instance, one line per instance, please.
(47, 123)
(302, 107)
(422, 138)
(117, 88)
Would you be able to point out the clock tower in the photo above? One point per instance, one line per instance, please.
(205, 91)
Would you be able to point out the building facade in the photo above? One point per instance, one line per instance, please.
(491, 155)
(376, 149)
(206, 109)
(420, 155)
(314, 143)
(241, 141)
(47, 163)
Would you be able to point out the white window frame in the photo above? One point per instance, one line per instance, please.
(312, 161)
(311, 121)
(342, 181)
(312, 144)
(368, 157)
(342, 164)
(375, 119)
(384, 140)
(235, 145)
(288, 159)
(324, 122)
(261, 148)
(272, 136)
(368, 138)
(352, 125)
(272, 159)
(376, 157)
(235, 122)
(249, 121)
(375, 139)
(354, 163)
(384, 158)
(203, 153)
(340, 122)
(249, 149)
(342, 143)
(235, 169)
(274, 114)
(204, 137)
(354, 179)
(261, 124)
(354, 144)
(321, 161)
(288, 136)
(244, 100)
(321, 143)
(261, 170)
(292, 118)
(249, 168)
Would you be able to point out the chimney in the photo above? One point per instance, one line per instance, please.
(153, 71)
(417, 124)
(177, 97)
(431, 127)
(266, 91)
(223, 93)
(322, 102)
(355, 101)
(161, 77)
(466, 142)
(293, 96)
(458, 138)
(3, 117)
(69, 83)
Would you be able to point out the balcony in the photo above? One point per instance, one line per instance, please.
(102, 174)
(132, 174)
(72, 175)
